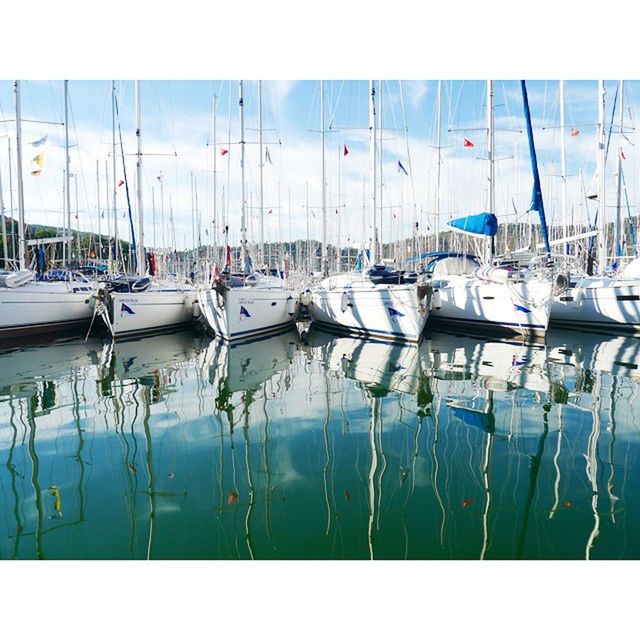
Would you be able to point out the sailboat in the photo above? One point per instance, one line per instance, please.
(249, 303)
(133, 305)
(607, 300)
(491, 297)
(30, 306)
(375, 301)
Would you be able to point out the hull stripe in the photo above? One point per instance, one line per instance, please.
(350, 329)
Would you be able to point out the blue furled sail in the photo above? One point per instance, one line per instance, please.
(480, 224)
(360, 263)
(536, 196)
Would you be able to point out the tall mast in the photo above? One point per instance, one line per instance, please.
(325, 265)
(438, 146)
(381, 239)
(243, 221)
(308, 236)
(261, 166)
(116, 252)
(490, 146)
(491, 159)
(372, 160)
(21, 240)
(339, 246)
(215, 183)
(4, 228)
(67, 199)
(602, 247)
(140, 256)
(108, 209)
(162, 236)
(618, 235)
(563, 168)
(98, 206)
(11, 208)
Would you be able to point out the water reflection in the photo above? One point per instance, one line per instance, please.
(178, 446)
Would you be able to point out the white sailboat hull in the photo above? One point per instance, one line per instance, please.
(599, 303)
(149, 311)
(243, 312)
(358, 306)
(518, 307)
(37, 308)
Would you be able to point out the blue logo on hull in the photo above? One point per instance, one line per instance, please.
(519, 307)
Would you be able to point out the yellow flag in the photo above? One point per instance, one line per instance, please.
(39, 159)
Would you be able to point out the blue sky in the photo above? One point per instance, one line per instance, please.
(177, 118)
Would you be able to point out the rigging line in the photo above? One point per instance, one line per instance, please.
(406, 130)
(82, 176)
(335, 104)
(126, 186)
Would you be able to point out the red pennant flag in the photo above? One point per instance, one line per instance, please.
(574, 132)
(468, 143)
(345, 151)
(223, 152)
(120, 183)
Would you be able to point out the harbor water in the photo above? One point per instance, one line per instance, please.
(315, 446)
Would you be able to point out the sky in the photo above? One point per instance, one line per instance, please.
(177, 143)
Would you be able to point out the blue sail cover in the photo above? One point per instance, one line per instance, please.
(481, 224)
(536, 196)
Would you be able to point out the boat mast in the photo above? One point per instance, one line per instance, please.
(618, 235)
(381, 238)
(325, 265)
(4, 228)
(372, 152)
(491, 159)
(243, 220)
(215, 183)
(563, 168)
(140, 256)
(98, 207)
(439, 147)
(67, 199)
(261, 166)
(116, 253)
(308, 236)
(107, 209)
(339, 247)
(21, 240)
(602, 247)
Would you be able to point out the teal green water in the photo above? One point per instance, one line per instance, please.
(176, 446)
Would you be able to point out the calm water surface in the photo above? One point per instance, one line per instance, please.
(177, 446)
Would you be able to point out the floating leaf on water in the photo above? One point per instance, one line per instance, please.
(568, 503)
(232, 497)
(467, 501)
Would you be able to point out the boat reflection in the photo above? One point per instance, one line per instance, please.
(329, 446)
(379, 365)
